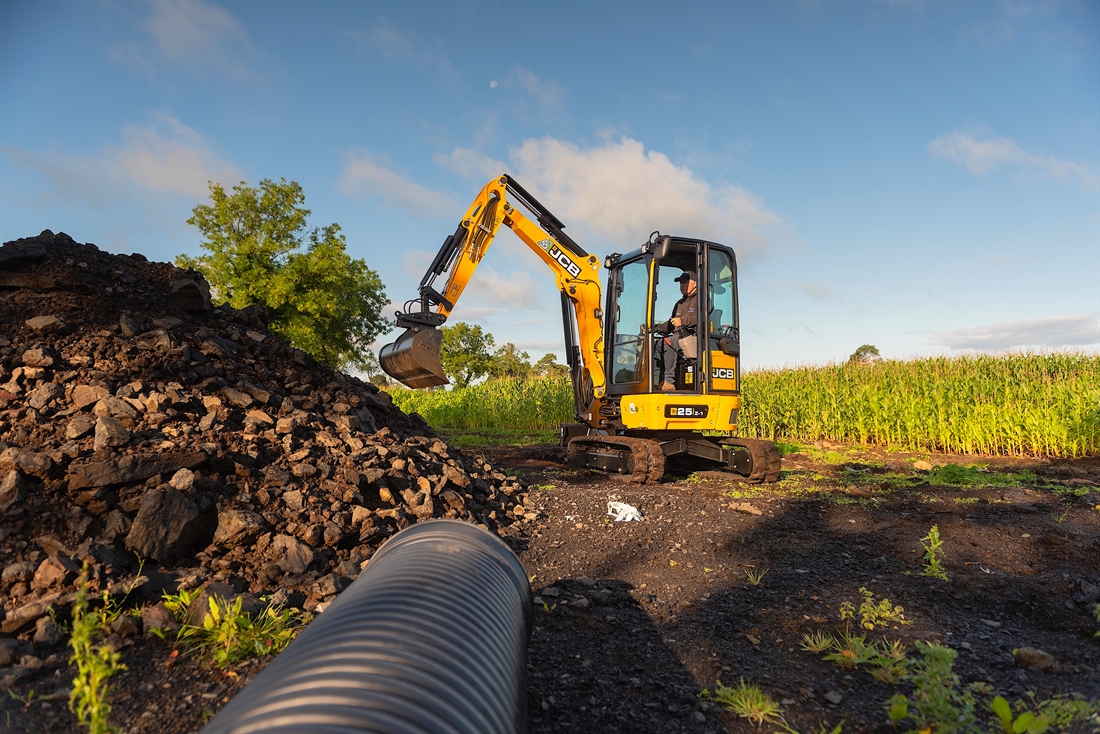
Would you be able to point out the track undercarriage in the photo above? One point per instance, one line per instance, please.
(641, 459)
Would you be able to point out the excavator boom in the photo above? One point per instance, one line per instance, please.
(414, 358)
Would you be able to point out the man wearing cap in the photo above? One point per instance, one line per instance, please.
(684, 319)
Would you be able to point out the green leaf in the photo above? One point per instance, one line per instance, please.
(899, 708)
(1039, 726)
(1023, 722)
(1003, 710)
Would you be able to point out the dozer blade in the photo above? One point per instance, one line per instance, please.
(413, 359)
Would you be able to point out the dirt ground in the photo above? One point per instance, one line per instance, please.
(636, 619)
(650, 613)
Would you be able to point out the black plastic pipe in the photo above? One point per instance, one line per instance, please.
(432, 637)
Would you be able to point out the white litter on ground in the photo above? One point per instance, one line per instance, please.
(622, 512)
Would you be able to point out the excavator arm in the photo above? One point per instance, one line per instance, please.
(414, 358)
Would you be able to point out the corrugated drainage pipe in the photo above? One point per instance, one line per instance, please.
(432, 637)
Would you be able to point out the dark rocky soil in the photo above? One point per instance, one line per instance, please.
(290, 475)
(642, 616)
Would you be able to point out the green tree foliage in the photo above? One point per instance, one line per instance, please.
(866, 354)
(373, 370)
(320, 299)
(465, 353)
(548, 366)
(510, 362)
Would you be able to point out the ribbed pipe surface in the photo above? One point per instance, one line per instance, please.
(432, 637)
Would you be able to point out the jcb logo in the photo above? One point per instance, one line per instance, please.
(723, 373)
(570, 267)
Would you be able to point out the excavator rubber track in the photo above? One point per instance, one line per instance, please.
(766, 461)
(634, 460)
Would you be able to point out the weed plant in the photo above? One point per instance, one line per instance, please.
(873, 615)
(937, 702)
(228, 635)
(933, 549)
(96, 661)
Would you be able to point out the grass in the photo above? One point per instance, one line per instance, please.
(503, 437)
(1018, 404)
(749, 702)
(755, 578)
(976, 475)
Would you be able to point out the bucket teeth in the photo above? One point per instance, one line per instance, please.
(413, 359)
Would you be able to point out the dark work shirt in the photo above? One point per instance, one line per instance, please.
(685, 310)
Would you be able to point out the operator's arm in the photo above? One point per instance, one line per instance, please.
(684, 314)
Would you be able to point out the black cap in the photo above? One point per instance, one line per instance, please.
(686, 275)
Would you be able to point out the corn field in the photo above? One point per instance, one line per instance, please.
(537, 404)
(1026, 404)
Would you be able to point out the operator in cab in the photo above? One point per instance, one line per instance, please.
(683, 323)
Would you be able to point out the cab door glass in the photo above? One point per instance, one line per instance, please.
(721, 295)
(721, 307)
(631, 291)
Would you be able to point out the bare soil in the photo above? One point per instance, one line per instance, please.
(641, 617)
(651, 613)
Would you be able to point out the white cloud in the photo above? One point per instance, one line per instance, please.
(470, 163)
(1057, 331)
(402, 45)
(188, 33)
(990, 152)
(549, 95)
(515, 290)
(491, 288)
(164, 156)
(192, 31)
(814, 289)
(620, 192)
(366, 173)
(169, 156)
(415, 262)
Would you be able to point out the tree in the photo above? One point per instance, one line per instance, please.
(510, 362)
(866, 354)
(373, 370)
(547, 366)
(320, 300)
(465, 352)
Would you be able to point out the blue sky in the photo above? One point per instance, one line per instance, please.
(921, 176)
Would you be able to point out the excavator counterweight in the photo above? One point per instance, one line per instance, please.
(414, 358)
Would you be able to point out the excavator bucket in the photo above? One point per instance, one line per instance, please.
(413, 359)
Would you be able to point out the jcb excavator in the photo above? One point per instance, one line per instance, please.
(630, 418)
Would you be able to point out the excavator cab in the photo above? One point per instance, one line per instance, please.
(645, 350)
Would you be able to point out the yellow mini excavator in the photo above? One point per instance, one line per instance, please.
(637, 406)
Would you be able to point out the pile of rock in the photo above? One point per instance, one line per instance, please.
(139, 421)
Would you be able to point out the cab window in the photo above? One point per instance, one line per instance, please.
(631, 290)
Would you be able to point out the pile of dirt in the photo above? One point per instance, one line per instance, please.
(139, 421)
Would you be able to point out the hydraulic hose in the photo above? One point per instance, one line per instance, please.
(432, 637)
